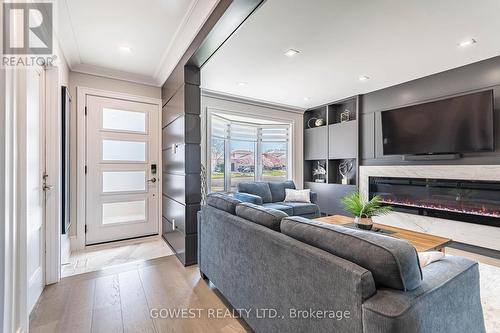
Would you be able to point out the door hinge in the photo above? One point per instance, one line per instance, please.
(85, 228)
(85, 169)
(85, 110)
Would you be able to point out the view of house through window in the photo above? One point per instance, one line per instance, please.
(247, 151)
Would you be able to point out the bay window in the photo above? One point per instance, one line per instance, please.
(242, 151)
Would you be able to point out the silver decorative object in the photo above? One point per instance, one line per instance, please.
(345, 116)
(319, 122)
(318, 172)
(315, 122)
(345, 168)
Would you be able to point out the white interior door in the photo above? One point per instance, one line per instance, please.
(122, 184)
(35, 196)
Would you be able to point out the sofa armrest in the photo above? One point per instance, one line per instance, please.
(447, 301)
(313, 196)
(247, 197)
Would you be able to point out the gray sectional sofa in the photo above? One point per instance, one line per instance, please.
(272, 195)
(293, 274)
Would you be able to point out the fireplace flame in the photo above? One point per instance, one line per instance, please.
(483, 210)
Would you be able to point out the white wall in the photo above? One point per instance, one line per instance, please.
(97, 82)
(254, 109)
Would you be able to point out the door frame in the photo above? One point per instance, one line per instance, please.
(15, 317)
(78, 243)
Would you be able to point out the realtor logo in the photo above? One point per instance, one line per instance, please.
(27, 28)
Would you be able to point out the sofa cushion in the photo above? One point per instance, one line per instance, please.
(223, 202)
(287, 209)
(267, 217)
(301, 208)
(278, 189)
(258, 188)
(392, 261)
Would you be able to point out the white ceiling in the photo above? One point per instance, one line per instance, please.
(390, 41)
(157, 32)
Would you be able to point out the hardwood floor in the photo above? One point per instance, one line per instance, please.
(120, 299)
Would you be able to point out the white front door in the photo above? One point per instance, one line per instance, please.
(122, 167)
(35, 170)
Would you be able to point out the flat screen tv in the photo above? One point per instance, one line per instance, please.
(462, 124)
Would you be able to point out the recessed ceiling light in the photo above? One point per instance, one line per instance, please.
(307, 99)
(124, 48)
(291, 52)
(242, 84)
(363, 78)
(467, 42)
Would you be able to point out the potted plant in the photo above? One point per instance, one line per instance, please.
(363, 210)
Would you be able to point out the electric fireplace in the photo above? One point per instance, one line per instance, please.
(462, 200)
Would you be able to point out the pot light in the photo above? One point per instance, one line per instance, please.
(124, 49)
(291, 52)
(363, 78)
(467, 42)
(241, 84)
(307, 99)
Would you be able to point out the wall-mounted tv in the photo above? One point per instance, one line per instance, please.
(462, 124)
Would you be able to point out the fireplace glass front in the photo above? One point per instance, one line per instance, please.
(463, 200)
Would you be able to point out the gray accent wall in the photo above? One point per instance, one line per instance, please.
(471, 78)
(181, 167)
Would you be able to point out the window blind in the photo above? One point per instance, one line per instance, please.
(243, 132)
(220, 128)
(275, 133)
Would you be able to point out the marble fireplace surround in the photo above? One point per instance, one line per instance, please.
(474, 234)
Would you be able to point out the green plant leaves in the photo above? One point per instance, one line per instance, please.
(355, 204)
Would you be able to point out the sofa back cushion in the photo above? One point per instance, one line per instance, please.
(267, 217)
(223, 202)
(278, 189)
(393, 262)
(257, 188)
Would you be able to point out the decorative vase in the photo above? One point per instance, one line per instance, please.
(364, 223)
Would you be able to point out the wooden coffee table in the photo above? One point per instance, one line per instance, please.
(421, 241)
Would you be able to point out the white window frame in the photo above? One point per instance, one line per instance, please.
(211, 113)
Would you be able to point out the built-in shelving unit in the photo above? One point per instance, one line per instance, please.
(332, 144)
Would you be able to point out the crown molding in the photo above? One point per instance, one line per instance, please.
(115, 74)
(251, 101)
(191, 24)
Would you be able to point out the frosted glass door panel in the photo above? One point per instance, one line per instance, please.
(120, 212)
(123, 120)
(130, 151)
(123, 181)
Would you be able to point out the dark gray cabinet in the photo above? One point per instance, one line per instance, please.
(315, 143)
(330, 195)
(331, 147)
(342, 140)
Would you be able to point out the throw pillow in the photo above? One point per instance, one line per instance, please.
(298, 195)
(425, 258)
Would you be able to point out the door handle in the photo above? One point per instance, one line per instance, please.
(47, 188)
(152, 180)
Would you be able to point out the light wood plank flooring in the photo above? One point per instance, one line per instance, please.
(119, 299)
